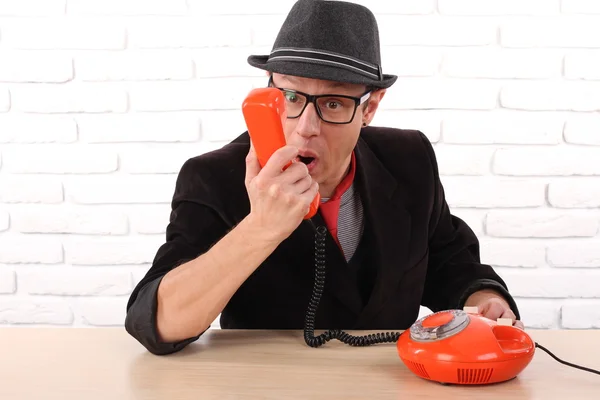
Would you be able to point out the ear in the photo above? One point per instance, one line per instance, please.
(373, 105)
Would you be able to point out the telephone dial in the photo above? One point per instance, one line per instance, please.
(451, 346)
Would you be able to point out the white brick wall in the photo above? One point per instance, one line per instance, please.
(102, 102)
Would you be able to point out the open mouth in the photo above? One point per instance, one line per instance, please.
(306, 160)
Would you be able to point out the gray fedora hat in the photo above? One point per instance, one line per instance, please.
(331, 40)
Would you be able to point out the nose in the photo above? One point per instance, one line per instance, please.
(309, 123)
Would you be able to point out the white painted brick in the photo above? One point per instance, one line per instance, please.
(384, 7)
(102, 251)
(583, 130)
(190, 32)
(581, 314)
(580, 193)
(558, 32)
(76, 281)
(426, 121)
(134, 66)
(429, 93)
(512, 253)
(101, 312)
(8, 283)
(31, 250)
(499, 7)
(256, 7)
(493, 192)
(503, 63)
(5, 100)
(264, 29)
(472, 217)
(206, 94)
(49, 311)
(123, 128)
(540, 224)
(4, 220)
(68, 219)
(29, 8)
(232, 62)
(268, 7)
(37, 129)
(149, 219)
(127, 7)
(502, 128)
(160, 160)
(580, 7)
(463, 160)
(53, 159)
(30, 189)
(222, 125)
(544, 96)
(118, 189)
(577, 254)
(73, 99)
(63, 33)
(539, 313)
(138, 272)
(411, 62)
(551, 283)
(435, 31)
(560, 161)
(583, 65)
(25, 66)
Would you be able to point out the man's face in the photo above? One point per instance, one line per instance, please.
(326, 147)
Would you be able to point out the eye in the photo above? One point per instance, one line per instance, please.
(291, 97)
(333, 103)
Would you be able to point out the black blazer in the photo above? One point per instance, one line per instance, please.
(417, 251)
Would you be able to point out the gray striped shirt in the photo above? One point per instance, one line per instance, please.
(350, 221)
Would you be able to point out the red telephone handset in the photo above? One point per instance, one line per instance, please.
(264, 109)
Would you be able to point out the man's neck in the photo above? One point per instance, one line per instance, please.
(327, 189)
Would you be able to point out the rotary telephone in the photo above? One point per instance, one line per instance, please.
(450, 346)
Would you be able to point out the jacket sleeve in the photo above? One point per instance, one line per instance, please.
(193, 228)
(455, 270)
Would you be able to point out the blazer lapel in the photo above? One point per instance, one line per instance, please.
(389, 224)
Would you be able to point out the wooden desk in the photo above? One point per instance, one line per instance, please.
(107, 364)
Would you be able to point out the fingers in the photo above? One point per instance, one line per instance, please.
(491, 310)
(494, 310)
(519, 324)
(295, 173)
(309, 195)
(252, 165)
(509, 314)
(302, 185)
(279, 159)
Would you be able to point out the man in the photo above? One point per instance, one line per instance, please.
(237, 244)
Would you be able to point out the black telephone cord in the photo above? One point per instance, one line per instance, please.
(366, 340)
(309, 323)
(539, 346)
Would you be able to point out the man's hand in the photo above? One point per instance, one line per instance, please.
(493, 306)
(279, 198)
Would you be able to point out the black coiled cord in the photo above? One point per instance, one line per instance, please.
(309, 323)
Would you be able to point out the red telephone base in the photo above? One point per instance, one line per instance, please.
(455, 347)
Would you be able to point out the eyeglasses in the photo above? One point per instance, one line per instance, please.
(331, 108)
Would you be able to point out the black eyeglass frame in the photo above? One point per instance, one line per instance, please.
(310, 98)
